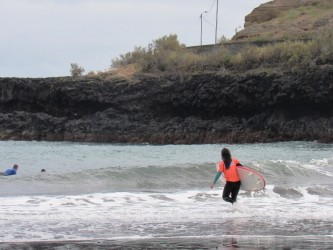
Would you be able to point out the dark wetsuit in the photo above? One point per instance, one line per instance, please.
(233, 183)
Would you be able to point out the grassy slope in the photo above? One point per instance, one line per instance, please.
(306, 21)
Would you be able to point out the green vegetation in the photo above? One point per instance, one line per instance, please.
(280, 20)
(324, 4)
(164, 54)
(291, 55)
(168, 55)
(305, 29)
(303, 10)
(315, 9)
(76, 70)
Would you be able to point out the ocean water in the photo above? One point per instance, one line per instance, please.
(145, 193)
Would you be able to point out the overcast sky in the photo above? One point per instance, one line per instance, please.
(41, 38)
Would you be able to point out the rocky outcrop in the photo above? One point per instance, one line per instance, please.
(202, 108)
(270, 10)
(285, 19)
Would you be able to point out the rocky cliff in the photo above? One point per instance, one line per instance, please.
(205, 108)
(285, 19)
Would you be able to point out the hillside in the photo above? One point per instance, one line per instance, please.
(286, 19)
(277, 92)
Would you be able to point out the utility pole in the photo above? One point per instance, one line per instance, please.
(201, 27)
(217, 14)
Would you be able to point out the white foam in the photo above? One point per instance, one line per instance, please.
(150, 214)
(123, 207)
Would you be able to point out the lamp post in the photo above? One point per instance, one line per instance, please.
(217, 14)
(239, 27)
(201, 26)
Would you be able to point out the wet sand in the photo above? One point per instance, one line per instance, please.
(226, 242)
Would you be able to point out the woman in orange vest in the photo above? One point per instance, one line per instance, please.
(228, 168)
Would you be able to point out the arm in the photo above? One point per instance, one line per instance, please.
(217, 176)
(238, 164)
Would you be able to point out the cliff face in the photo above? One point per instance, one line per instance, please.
(207, 108)
(285, 19)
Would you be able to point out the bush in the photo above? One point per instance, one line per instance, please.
(76, 70)
(168, 55)
(161, 55)
(325, 48)
(167, 43)
(293, 55)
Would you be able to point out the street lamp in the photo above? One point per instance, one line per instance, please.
(217, 14)
(201, 26)
(239, 27)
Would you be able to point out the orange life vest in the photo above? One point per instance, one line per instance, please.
(230, 174)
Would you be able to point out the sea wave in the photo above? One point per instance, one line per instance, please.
(283, 174)
(291, 172)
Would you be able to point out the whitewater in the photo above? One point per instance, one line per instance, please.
(125, 193)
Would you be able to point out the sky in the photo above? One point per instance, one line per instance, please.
(41, 38)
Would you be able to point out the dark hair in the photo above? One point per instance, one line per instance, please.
(226, 157)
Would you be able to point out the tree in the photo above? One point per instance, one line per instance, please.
(76, 70)
(167, 43)
(223, 39)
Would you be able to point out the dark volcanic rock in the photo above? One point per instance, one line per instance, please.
(207, 108)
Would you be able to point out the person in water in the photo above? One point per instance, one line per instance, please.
(11, 171)
(228, 167)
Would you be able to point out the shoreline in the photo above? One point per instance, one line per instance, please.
(138, 141)
(191, 242)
